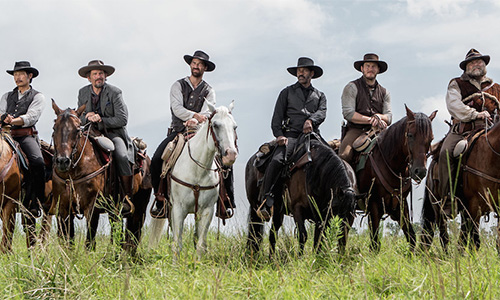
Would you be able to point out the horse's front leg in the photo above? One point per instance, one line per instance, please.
(275, 227)
(202, 224)
(302, 232)
(177, 216)
(403, 217)
(29, 223)
(345, 227)
(92, 223)
(9, 224)
(374, 216)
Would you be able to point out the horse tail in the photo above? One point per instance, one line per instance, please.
(157, 226)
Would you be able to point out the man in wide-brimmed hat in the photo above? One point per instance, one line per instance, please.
(107, 110)
(300, 108)
(468, 99)
(188, 104)
(365, 104)
(22, 108)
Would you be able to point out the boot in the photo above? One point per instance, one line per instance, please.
(127, 207)
(265, 210)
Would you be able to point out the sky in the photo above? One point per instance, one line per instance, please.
(252, 42)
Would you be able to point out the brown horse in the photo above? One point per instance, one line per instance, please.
(398, 156)
(79, 181)
(316, 192)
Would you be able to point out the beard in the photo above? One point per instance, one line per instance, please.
(476, 72)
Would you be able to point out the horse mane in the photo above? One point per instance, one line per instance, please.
(327, 171)
(392, 136)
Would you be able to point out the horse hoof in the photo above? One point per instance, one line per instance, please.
(35, 212)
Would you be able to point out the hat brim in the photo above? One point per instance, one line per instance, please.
(485, 58)
(27, 69)
(83, 72)
(382, 65)
(210, 65)
(317, 70)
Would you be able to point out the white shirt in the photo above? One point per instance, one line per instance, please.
(34, 110)
(177, 102)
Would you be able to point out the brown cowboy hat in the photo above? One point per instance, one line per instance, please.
(472, 55)
(23, 66)
(306, 62)
(95, 65)
(201, 56)
(371, 57)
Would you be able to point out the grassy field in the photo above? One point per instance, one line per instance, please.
(53, 271)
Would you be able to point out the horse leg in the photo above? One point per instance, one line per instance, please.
(466, 231)
(275, 227)
(92, 223)
(204, 219)
(345, 227)
(29, 223)
(255, 231)
(46, 226)
(136, 221)
(9, 224)
(443, 232)
(405, 223)
(177, 216)
(374, 222)
(302, 232)
(319, 229)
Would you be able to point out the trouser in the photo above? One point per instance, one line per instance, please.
(346, 152)
(448, 145)
(272, 178)
(35, 177)
(157, 162)
(121, 157)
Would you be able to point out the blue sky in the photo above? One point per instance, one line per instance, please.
(252, 42)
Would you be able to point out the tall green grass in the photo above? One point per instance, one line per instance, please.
(227, 271)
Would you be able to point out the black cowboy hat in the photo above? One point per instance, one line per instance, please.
(306, 62)
(371, 57)
(201, 56)
(95, 65)
(472, 55)
(23, 66)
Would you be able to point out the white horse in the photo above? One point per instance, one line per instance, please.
(194, 180)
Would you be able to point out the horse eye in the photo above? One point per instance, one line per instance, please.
(410, 135)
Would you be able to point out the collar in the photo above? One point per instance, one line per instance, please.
(298, 85)
(22, 94)
(363, 80)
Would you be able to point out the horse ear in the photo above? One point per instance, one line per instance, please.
(409, 113)
(231, 106)
(80, 109)
(433, 115)
(211, 107)
(56, 108)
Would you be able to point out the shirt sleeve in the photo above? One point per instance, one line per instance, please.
(34, 110)
(349, 101)
(210, 98)
(386, 110)
(176, 103)
(457, 109)
(3, 104)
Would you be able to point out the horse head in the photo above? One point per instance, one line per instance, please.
(418, 138)
(223, 129)
(66, 135)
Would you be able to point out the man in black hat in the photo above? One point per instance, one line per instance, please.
(300, 108)
(188, 104)
(22, 108)
(365, 103)
(107, 110)
(463, 93)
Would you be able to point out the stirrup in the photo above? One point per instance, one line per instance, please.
(159, 213)
(129, 202)
(262, 212)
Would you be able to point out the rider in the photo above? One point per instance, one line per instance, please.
(23, 107)
(188, 105)
(462, 93)
(106, 109)
(300, 108)
(365, 103)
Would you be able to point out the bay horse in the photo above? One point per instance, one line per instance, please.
(194, 180)
(79, 180)
(317, 192)
(398, 156)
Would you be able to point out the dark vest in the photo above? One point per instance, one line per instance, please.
(192, 100)
(18, 107)
(365, 103)
(484, 99)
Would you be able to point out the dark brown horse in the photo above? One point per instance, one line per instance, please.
(398, 156)
(316, 192)
(80, 178)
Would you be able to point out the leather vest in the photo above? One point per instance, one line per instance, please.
(367, 104)
(18, 107)
(192, 100)
(484, 99)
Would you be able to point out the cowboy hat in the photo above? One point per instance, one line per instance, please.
(306, 62)
(23, 66)
(371, 57)
(96, 65)
(201, 56)
(472, 55)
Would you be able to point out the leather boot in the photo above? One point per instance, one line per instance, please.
(127, 207)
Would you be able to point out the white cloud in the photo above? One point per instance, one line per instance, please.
(440, 7)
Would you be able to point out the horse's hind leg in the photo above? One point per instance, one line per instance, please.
(301, 232)
(255, 231)
(275, 227)
(374, 223)
(443, 232)
(136, 221)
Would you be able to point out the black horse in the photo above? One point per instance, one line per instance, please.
(317, 191)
